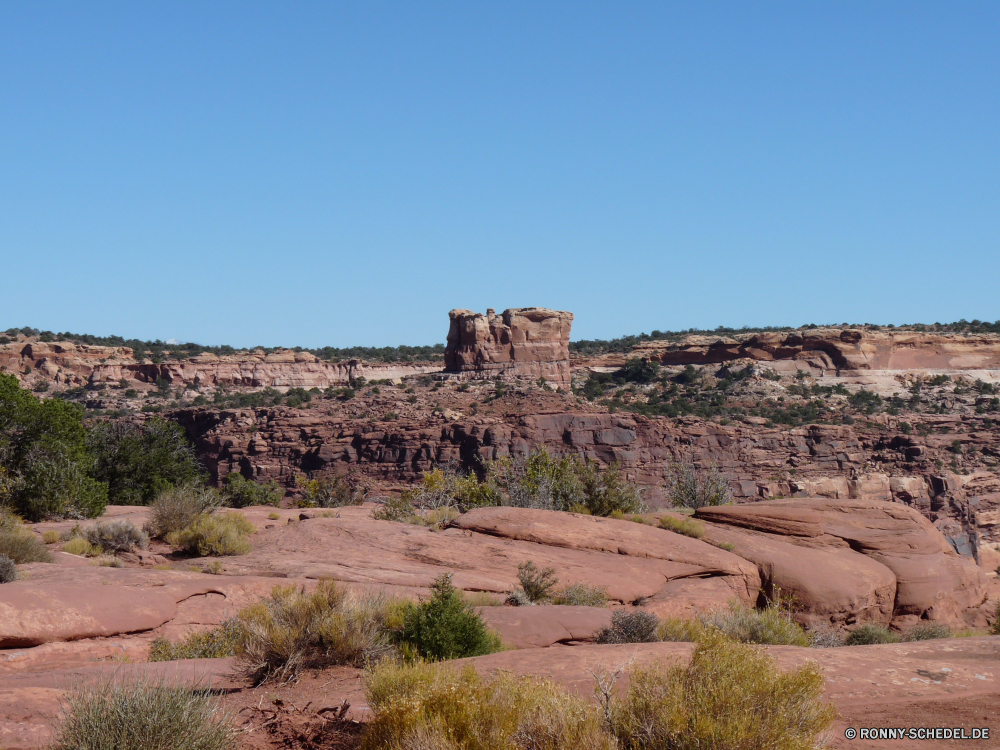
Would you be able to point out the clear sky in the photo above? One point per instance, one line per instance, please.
(345, 173)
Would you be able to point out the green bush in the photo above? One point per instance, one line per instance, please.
(636, 626)
(142, 714)
(768, 626)
(867, 635)
(138, 461)
(205, 644)
(43, 456)
(217, 534)
(687, 487)
(686, 526)
(432, 707)
(8, 570)
(293, 630)
(116, 536)
(176, 508)
(730, 697)
(446, 627)
(240, 492)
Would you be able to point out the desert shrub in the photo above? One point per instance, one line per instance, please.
(240, 492)
(431, 707)
(730, 697)
(18, 544)
(107, 561)
(80, 546)
(537, 584)
(446, 489)
(216, 534)
(687, 487)
(771, 625)
(686, 526)
(867, 635)
(51, 536)
(580, 595)
(139, 461)
(328, 492)
(116, 536)
(44, 458)
(995, 627)
(176, 508)
(636, 626)
(542, 481)
(293, 630)
(142, 714)
(681, 631)
(927, 631)
(394, 509)
(825, 637)
(446, 626)
(8, 570)
(204, 644)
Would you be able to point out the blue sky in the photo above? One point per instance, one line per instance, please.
(338, 174)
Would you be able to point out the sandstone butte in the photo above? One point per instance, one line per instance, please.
(530, 342)
(855, 523)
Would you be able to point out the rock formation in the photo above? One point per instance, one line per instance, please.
(529, 342)
(834, 350)
(72, 365)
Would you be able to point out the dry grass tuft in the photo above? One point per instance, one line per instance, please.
(217, 534)
(769, 626)
(686, 526)
(142, 714)
(432, 707)
(80, 546)
(293, 630)
(17, 543)
(51, 536)
(204, 644)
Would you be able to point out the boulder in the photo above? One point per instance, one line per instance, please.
(932, 581)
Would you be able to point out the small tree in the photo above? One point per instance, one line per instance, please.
(446, 627)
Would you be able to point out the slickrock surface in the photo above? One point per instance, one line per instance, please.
(529, 342)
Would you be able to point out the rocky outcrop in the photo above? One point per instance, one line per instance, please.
(529, 342)
(73, 365)
(834, 350)
(863, 546)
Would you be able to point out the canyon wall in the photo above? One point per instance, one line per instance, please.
(833, 350)
(530, 342)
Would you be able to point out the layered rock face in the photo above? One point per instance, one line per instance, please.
(68, 364)
(529, 342)
(835, 349)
